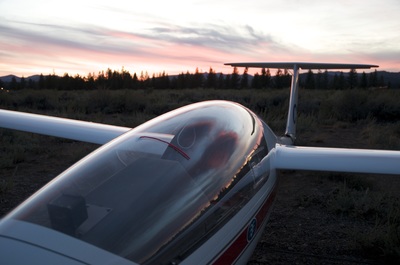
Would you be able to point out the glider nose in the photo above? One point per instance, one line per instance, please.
(14, 251)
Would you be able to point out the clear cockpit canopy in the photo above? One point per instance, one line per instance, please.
(139, 192)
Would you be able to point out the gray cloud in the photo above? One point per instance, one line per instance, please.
(82, 38)
(229, 39)
(213, 36)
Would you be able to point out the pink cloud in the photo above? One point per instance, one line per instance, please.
(172, 51)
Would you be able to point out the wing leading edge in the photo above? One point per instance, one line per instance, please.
(60, 127)
(337, 159)
(302, 65)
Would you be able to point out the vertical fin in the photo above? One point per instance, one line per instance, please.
(292, 112)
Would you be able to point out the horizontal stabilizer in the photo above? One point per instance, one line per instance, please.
(337, 159)
(60, 127)
(302, 65)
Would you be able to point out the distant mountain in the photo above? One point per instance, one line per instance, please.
(8, 78)
(393, 78)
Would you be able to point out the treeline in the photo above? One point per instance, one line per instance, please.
(112, 79)
(340, 80)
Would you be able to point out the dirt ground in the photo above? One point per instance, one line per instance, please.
(301, 229)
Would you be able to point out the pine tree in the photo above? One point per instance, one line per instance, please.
(325, 80)
(181, 81)
(90, 81)
(235, 78)
(267, 79)
(211, 79)
(31, 83)
(352, 79)
(310, 81)
(14, 83)
(228, 81)
(244, 82)
(373, 79)
(22, 83)
(197, 79)
(286, 78)
(341, 81)
(221, 81)
(41, 82)
(279, 79)
(263, 78)
(364, 81)
(256, 82)
(318, 79)
(381, 81)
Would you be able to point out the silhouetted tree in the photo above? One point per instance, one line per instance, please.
(144, 80)
(381, 82)
(165, 80)
(160, 81)
(244, 82)
(90, 81)
(318, 79)
(234, 82)
(31, 83)
(197, 80)
(352, 78)
(221, 81)
(265, 78)
(22, 83)
(310, 80)
(286, 78)
(51, 81)
(364, 80)
(211, 79)
(181, 81)
(78, 82)
(278, 79)
(325, 80)
(341, 81)
(373, 79)
(173, 84)
(256, 82)
(65, 82)
(135, 81)
(14, 83)
(41, 84)
(228, 81)
(101, 81)
(126, 79)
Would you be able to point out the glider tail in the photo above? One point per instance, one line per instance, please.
(290, 132)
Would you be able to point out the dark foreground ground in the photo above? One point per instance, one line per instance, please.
(303, 228)
(310, 223)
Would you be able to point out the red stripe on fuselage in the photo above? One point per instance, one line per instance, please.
(235, 250)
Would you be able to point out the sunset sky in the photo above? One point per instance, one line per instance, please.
(79, 37)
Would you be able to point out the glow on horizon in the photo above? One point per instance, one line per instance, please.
(81, 37)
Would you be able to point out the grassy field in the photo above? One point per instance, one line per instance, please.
(346, 118)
